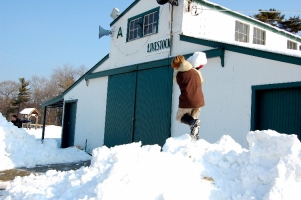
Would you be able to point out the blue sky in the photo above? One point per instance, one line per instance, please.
(37, 36)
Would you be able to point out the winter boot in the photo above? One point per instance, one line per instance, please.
(194, 125)
(194, 129)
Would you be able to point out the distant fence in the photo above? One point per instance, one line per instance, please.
(29, 125)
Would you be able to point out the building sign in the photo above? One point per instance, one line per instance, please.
(119, 32)
(158, 45)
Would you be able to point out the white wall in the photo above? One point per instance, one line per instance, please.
(91, 105)
(220, 26)
(90, 113)
(124, 53)
(227, 92)
(207, 23)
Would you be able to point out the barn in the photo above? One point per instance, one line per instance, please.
(252, 78)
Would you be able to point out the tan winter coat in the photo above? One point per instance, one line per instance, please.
(189, 81)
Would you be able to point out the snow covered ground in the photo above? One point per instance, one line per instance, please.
(51, 132)
(269, 169)
(20, 149)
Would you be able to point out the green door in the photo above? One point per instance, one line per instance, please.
(139, 107)
(279, 109)
(120, 109)
(153, 106)
(68, 124)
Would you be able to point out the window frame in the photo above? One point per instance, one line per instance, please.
(292, 45)
(142, 24)
(261, 40)
(240, 32)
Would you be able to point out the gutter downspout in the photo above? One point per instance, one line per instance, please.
(171, 33)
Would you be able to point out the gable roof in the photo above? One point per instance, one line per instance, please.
(29, 111)
(225, 10)
(58, 101)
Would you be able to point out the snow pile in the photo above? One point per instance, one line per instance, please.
(274, 167)
(19, 149)
(270, 169)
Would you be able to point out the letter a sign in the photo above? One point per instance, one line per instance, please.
(119, 32)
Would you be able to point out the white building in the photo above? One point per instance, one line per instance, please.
(252, 79)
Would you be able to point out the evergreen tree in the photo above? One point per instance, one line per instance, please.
(293, 24)
(274, 18)
(23, 95)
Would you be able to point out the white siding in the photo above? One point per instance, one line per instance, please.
(90, 112)
(124, 53)
(227, 92)
(220, 26)
(208, 24)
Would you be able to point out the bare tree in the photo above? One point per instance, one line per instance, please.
(8, 91)
(13, 95)
(43, 89)
(64, 77)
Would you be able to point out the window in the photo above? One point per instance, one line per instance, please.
(143, 24)
(291, 45)
(135, 29)
(150, 24)
(258, 36)
(241, 32)
(300, 47)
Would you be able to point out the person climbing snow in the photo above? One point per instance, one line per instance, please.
(191, 98)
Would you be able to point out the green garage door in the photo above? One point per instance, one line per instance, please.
(278, 109)
(153, 106)
(139, 107)
(120, 109)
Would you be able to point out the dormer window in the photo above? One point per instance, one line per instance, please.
(291, 45)
(143, 25)
(241, 32)
(258, 36)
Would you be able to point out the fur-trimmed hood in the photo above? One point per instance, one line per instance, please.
(185, 66)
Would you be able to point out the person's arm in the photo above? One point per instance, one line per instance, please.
(201, 77)
(175, 76)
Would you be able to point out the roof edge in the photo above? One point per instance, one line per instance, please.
(52, 101)
(244, 50)
(124, 12)
(48, 102)
(88, 72)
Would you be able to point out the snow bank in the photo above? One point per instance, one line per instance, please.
(270, 169)
(20, 149)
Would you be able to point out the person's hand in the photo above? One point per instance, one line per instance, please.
(199, 67)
